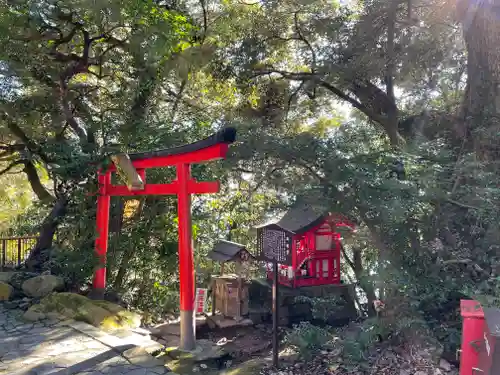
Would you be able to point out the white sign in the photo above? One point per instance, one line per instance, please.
(200, 300)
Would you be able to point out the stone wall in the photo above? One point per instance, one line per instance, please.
(296, 304)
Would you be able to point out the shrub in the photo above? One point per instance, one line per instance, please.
(307, 338)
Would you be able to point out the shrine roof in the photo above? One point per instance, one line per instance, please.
(300, 219)
(225, 251)
(226, 135)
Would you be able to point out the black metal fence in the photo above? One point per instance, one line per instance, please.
(15, 250)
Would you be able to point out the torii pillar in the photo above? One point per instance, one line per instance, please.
(134, 166)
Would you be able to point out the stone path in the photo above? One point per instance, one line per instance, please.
(67, 348)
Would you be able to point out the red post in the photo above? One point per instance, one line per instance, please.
(295, 251)
(472, 335)
(186, 266)
(101, 242)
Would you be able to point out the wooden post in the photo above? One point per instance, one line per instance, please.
(275, 314)
(238, 270)
(214, 285)
(4, 252)
(240, 296)
(19, 251)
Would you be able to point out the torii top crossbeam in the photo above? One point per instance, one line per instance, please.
(134, 166)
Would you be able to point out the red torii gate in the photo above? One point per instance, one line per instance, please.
(134, 166)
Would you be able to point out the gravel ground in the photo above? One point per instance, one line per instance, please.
(410, 360)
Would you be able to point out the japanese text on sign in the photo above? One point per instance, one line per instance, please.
(201, 300)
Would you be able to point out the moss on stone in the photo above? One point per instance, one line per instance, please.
(250, 367)
(5, 291)
(113, 322)
(179, 366)
(185, 366)
(101, 314)
(121, 315)
(113, 307)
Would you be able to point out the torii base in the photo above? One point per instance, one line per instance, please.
(96, 294)
(187, 331)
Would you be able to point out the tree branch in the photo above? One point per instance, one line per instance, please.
(305, 41)
(463, 205)
(8, 149)
(374, 103)
(148, 81)
(368, 112)
(314, 78)
(19, 134)
(37, 186)
(48, 228)
(205, 20)
(178, 99)
(10, 166)
(347, 259)
(69, 116)
(456, 261)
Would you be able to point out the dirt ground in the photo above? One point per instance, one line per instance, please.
(249, 352)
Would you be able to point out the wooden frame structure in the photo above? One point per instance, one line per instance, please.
(134, 166)
(229, 295)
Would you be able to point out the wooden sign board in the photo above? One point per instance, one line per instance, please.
(274, 245)
(125, 169)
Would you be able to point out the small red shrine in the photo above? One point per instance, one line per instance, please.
(307, 246)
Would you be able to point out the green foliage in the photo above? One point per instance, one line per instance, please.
(354, 352)
(73, 265)
(307, 339)
(158, 76)
(159, 300)
(27, 223)
(16, 199)
(356, 344)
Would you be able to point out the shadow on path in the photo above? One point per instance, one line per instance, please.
(110, 362)
(45, 348)
(89, 366)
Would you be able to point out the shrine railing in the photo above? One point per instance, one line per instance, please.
(15, 250)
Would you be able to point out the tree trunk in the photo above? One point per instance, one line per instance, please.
(128, 254)
(381, 105)
(40, 254)
(122, 271)
(480, 107)
(365, 284)
(357, 267)
(37, 186)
